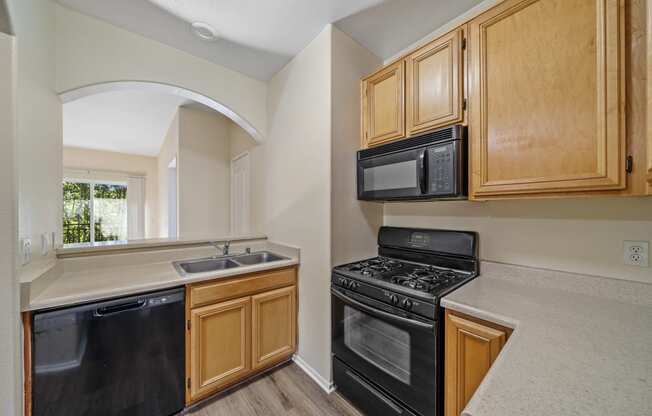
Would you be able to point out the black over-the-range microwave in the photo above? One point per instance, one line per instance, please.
(430, 166)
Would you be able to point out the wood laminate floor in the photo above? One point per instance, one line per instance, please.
(284, 391)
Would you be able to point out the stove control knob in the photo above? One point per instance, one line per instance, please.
(394, 299)
(407, 304)
(342, 281)
(352, 284)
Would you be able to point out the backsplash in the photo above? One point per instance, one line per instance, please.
(573, 235)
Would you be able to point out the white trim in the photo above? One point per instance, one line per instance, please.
(326, 385)
(85, 91)
(447, 27)
(232, 190)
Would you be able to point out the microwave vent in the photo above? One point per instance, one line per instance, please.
(456, 132)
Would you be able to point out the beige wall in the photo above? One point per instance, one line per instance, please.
(354, 223)
(295, 186)
(90, 51)
(5, 22)
(39, 128)
(74, 157)
(169, 151)
(574, 235)
(9, 319)
(240, 141)
(204, 174)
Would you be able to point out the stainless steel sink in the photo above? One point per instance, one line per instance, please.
(257, 258)
(213, 264)
(205, 265)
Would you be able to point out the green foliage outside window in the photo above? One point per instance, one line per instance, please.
(110, 201)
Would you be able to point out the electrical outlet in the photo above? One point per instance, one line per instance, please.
(636, 253)
(26, 251)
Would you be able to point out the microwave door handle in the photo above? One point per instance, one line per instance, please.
(423, 171)
(382, 314)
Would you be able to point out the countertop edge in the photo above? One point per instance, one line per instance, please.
(502, 320)
(148, 287)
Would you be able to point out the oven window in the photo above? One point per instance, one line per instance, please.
(400, 175)
(383, 345)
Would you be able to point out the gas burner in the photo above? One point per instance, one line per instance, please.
(409, 282)
(425, 278)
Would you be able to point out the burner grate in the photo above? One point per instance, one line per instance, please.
(421, 277)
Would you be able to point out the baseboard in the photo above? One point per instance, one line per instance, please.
(326, 385)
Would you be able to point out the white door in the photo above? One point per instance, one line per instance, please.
(240, 211)
(172, 199)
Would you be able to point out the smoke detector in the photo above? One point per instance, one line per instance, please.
(204, 31)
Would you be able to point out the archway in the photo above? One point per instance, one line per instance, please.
(85, 91)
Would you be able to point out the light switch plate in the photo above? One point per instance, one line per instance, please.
(636, 253)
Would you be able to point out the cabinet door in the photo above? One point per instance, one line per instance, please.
(471, 348)
(274, 326)
(383, 116)
(219, 345)
(547, 97)
(435, 90)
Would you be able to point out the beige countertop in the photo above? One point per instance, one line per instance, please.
(581, 345)
(83, 279)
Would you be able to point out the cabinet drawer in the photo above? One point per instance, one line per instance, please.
(211, 292)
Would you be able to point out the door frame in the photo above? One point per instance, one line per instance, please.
(242, 155)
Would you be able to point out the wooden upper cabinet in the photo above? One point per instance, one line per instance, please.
(471, 348)
(273, 326)
(547, 97)
(219, 346)
(435, 84)
(383, 115)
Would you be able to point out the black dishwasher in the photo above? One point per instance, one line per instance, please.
(113, 358)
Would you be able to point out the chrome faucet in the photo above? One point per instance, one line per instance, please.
(224, 248)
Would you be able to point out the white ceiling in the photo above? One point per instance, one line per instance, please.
(133, 122)
(258, 37)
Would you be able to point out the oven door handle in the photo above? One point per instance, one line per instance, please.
(382, 314)
(423, 171)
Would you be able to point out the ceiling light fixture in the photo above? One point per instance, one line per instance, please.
(204, 31)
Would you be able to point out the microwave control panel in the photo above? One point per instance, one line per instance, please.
(441, 169)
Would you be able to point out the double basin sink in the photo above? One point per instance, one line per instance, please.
(212, 264)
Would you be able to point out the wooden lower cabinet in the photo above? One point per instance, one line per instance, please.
(229, 340)
(471, 347)
(220, 345)
(274, 326)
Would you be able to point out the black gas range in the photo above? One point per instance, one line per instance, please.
(387, 324)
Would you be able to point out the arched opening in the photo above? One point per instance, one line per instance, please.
(151, 160)
(85, 91)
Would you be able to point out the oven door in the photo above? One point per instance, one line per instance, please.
(390, 348)
(399, 175)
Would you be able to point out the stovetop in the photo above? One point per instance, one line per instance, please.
(425, 281)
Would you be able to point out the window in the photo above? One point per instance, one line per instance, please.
(104, 205)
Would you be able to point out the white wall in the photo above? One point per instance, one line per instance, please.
(9, 339)
(295, 186)
(204, 174)
(90, 51)
(169, 151)
(354, 223)
(39, 128)
(573, 235)
(78, 158)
